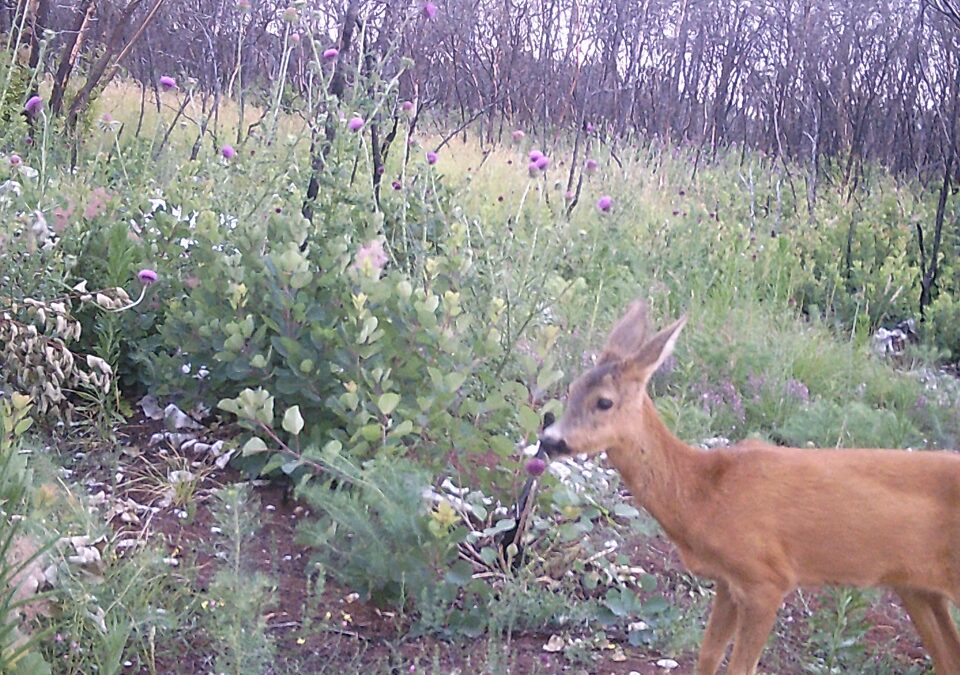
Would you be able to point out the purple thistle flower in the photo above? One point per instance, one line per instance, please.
(396, 185)
(291, 15)
(533, 169)
(331, 54)
(534, 155)
(429, 10)
(228, 152)
(569, 195)
(542, 162)
(34, 106)
(15, 160)
(355, 123)
(535, 466)
(605, 203)
(431, 157)
(167, 83)
(590, 166)
(518, 136)
(147, 276)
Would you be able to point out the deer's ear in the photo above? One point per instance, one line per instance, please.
(628, 335)
(644, 362)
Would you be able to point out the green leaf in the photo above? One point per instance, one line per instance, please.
(276, 461)
(569, 532)
(453, 381)
(529, 420)
(293, 420)
(332, 449)
(230, 405)
(625, 511)
(253, 446)
(402, 429)
(459, 573)
(656, 605)
(349, 400)
(370, 432)
(22, 426)
(387, 402)
(291, 466)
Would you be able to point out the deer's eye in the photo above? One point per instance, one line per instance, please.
(604, 403)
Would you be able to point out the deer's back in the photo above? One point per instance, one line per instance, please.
(858, 517)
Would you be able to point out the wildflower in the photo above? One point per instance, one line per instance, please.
(371, 258)
(535, 466)
(146, 276)
(106, 118)
(295, 38)
(533, 169)
(331, 54)
(431, 157)
(291, 15)
(396, 185)
(569, 195)
(355, 124)
(61, 218)
(605, 203)
(34, 106)
(590, 166)
(797, 389)
(408, 108)
(244, 6)
(534, 155)
(167, 83)
(518, 136)
(15, 160)
(542, 162)
(429, 10)
(228, 152)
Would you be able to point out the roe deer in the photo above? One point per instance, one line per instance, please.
(761, 520)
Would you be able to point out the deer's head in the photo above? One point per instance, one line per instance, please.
(605, 405)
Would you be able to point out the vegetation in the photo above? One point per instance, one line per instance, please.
(375, 317)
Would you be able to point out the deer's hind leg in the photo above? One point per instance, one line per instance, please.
(720, 627)
(930, 613)
(948, 630)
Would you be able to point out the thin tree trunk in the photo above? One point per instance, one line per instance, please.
(71, 50)
(320, 150)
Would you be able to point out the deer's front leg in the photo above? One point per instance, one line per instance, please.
(756, 612)
(720, 627)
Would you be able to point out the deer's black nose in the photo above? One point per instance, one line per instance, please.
(553, 447)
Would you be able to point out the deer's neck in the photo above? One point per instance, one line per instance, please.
(664, 474)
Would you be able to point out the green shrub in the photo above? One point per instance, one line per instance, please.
(376, 536)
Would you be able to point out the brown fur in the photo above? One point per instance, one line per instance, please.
(761, 520)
